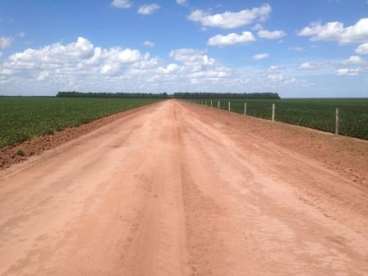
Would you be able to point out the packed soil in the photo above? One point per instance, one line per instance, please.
(175, 188)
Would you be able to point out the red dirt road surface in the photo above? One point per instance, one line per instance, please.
(180, 189)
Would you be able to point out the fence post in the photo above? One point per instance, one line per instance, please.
(337, 125)
(245, 109)
(211, 103)
(229, 106)
(273, 112)
(218, 104)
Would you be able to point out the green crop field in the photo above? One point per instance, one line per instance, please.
(22, 118)
(313, 113)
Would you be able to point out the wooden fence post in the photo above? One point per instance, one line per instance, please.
(211, 103)
(273, 112)
(229, 106)
(218, 104)
(245, 109)
(337, 124)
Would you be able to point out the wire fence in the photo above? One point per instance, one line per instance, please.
(352, 119)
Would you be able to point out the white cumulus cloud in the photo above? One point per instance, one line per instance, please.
(348, 71)
(148, 9)
(362, 49)
(149, 44)
(43, 75)
(198, 67)
(192, 57)
(181, 2)
(273, 35)
(169, 69)
(354, 60)
(308, 66)
(128, 55)
(80, 65)
(122, 4)
(75, 58)
(230, 20)
(336, 31)
(261, 56)
(231, 39)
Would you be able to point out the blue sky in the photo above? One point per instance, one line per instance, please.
(316, 48)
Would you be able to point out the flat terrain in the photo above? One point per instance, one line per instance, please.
(181, 189)
(24, 118)
(313, 113)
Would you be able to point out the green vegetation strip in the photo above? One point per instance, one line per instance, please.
(22, 118)
(313, 113)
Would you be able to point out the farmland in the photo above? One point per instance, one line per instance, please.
(22, 118)
(313, 113)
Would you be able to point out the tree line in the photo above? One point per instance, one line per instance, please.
(180, 95)
(76, 94)
(206, 95)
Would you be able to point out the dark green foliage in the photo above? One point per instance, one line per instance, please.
(75, 94)
(200, 95)
(22, 118)
(181, 95)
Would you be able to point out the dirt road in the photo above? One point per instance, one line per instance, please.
(179, 189)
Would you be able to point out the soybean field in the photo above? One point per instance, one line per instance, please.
(22, 118)
(313, 113)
